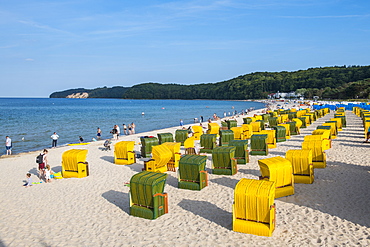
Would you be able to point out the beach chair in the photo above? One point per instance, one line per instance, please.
(271, 138)
(198, 131)
(292, 115)
(259, 144)
(279, 170)
(74, 164)
(208, 142)
(258, 117)
(273, 121)
(124, 153)
(161, 155)
(224, 126)
(256, 127)
(280, 133)
(247, 120)
(318, 153)
(238, 133)
(225, 137)
(231, 123)
(284, 118)
(343, 118)
(164, 137)
(333, 128)
(247, 131)
(326, 143)
(241, 151)
(298, 125)
(213, 128)
(189, 145)
(223, 161)
(147, 199)
(303, 170)
(192, 172)
(147, 143)
(262, 124)
(293, 128)
(174, 147)
(181, 136)
(339, 123)
(254, 207)
(326, 134)
(287, 129)
(304, 121)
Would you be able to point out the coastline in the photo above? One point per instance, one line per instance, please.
(94, 211)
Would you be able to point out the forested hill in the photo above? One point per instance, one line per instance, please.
(329, 82)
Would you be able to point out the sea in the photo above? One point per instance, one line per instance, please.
(30, 122)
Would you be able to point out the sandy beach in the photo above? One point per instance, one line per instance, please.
(94, 211)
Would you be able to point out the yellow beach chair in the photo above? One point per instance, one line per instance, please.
(198, 131)
(287, 130)
(161, 155)
(303, 170)
(318, 153)
(74, 164)
(238, 133)
(124, 153)
(174, 147)
(271, 137)
(247, 131)
(213, 128)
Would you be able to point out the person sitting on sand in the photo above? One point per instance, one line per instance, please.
(29, 180)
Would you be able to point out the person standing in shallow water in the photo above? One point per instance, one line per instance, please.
(54, 137)
(98, 134)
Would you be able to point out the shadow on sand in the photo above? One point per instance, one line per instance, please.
(118, 198)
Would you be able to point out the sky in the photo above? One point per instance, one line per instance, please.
(48, 46)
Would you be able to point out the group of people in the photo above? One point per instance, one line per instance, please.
(116, 131)
(44, 169)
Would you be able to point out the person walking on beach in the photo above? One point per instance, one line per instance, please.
(8, 145)
(124, 129)
(54, 137)
(118, 131)
(114, 132)
(98, 134)
(133, 126)
(42, 160)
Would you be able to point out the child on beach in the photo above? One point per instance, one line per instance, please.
(29, 180)
(48, 172)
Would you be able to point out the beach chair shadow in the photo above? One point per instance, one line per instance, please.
(253, 172)
(118, 198)
(226, 181)
(57, 169)
(172, 181)
(136, 167)
(208, 211)
(110, 159)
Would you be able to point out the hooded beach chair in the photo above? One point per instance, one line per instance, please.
(343, 118)
(247, 131)
(279, 170)
(259, 144)
(208, 142)
(326, 143)
(225, 137)
(256, 127)
(294, 130)
(333, 128)
(254, 207)
(161, 155)
(304, 121)
(318, 154)
(325, 133)
(247, 120)
(292, 115)
(241, 151)
(164, 137)
(339, 123)
(271, 138)
(174, 147)
(146, 145)
(238, 133)
(192, 172)
(280, 133)
(231, 123)
(189, 145)
(198, 131)
(124, 153)
(303, 170)
(298, 125)
(223, 161)
(147, 199)
(181, 136)
(74, 164)
(213, 128)
(273, 121)
(287, 129)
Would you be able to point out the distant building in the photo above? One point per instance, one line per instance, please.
(278, 95)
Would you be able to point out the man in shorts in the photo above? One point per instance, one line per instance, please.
(8, 145)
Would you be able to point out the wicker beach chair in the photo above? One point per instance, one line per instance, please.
(271, 138)
(164, 137)
(223, 161)
(181, 136)
(225, 137)
(146, 145)
(254, 207)
(147, 199)
(333, 128)
(74, 164)
(287, 129)
(280, 133)
(279, 170)
(238, 133)
(303, 170)
(189, 145)
(124, 153)
(259, 144)
(208, 142)
(198, 131)
(318, 154)
(174, 147)
(213, 128)
(241, 151)
(192, 172)
(231, 123)
(161, 155)
(247, 131)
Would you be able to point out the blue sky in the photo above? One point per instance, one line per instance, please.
(48, 46)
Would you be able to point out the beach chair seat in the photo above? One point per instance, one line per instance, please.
(164, 137)
(287, 130)
(271, 138)
(254, 207)
(241, 151)
(213, 128)
(238, 133)
(181, 136)
(192, 172)
(303, 170)
(279, 170)
(223, 161)
(280, 133)
(124, 153)
(198, 131)
(247, 131)
(74, 164)
(259, 144)
(174, 147)
(318, 154)
(147, 143)
(225, 137)
(147, 199)
(208, 142)
(161, 155)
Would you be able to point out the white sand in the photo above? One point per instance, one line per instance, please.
(94, 211)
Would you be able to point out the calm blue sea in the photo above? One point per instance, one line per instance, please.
(35, 119)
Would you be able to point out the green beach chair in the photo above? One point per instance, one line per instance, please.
(247, 120)
(241, 151)
(273, 121)
(147, 199)
(146, 145)
(192, 172)
(208, 142)
(231, 123)
(181, 136)
(223, 161)
(259, 145)
(225, 137)
(165, 137)
(293, 128)
(280, 133)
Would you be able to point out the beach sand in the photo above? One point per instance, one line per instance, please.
(94, 211)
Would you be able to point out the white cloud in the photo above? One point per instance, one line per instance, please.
(29, 59)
